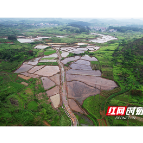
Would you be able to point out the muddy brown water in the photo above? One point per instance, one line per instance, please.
(98, 82)
(77, 52)
(74, 106)
(34, 69)
(80, 91)
(83, 62)
(80, 67)
(23, 68)
(47, 83)
(65, 61)
(56, 78)
(48, 71)
(88, 58)
(84, 72)
(53, 91)
(30, 75)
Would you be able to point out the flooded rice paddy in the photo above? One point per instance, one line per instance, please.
(98, 82)
(60, 36)
(103, 39)
(40, 46)
(48, 71)
(64, 54)
(80, 67)
(56, 78)
(53, 91)
(24, 40)
(88, 58)
(30, 40)
(80, 91)
(23, 68)
(82, 44)
(47, 83)
(84, 72)
(66, 60)
(35, 68)
(74, 106)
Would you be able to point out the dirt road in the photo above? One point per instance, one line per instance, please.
(64, 93)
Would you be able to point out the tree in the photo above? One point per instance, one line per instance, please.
(30, 52)
(12, 37)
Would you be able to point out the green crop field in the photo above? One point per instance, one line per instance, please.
(48, 63)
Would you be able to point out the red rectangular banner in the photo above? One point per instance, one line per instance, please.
(116, 110)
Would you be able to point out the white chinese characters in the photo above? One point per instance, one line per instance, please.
(130, 110)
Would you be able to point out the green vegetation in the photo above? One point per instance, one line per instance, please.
(49, 52)
(124, 29)
(12, 56)
(12, 37)
(20, 105)
(40, 53)
(68, 63)
(48, 63)
(95, 65)
(71, 54)
(83, 120)
(93, 104)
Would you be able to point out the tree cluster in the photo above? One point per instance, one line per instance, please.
(12, 37)
(124, 29)
(136, 92)
(132, 55)
(15, 54)
(83, 26)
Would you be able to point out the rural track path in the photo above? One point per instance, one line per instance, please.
(64, 92)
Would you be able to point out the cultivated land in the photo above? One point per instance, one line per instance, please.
(59, 80)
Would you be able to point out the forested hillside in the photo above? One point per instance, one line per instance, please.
(129, 57)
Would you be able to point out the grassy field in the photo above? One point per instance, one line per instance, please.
(48, 63)
(40, 53)
(49, 52)
(93, 104)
